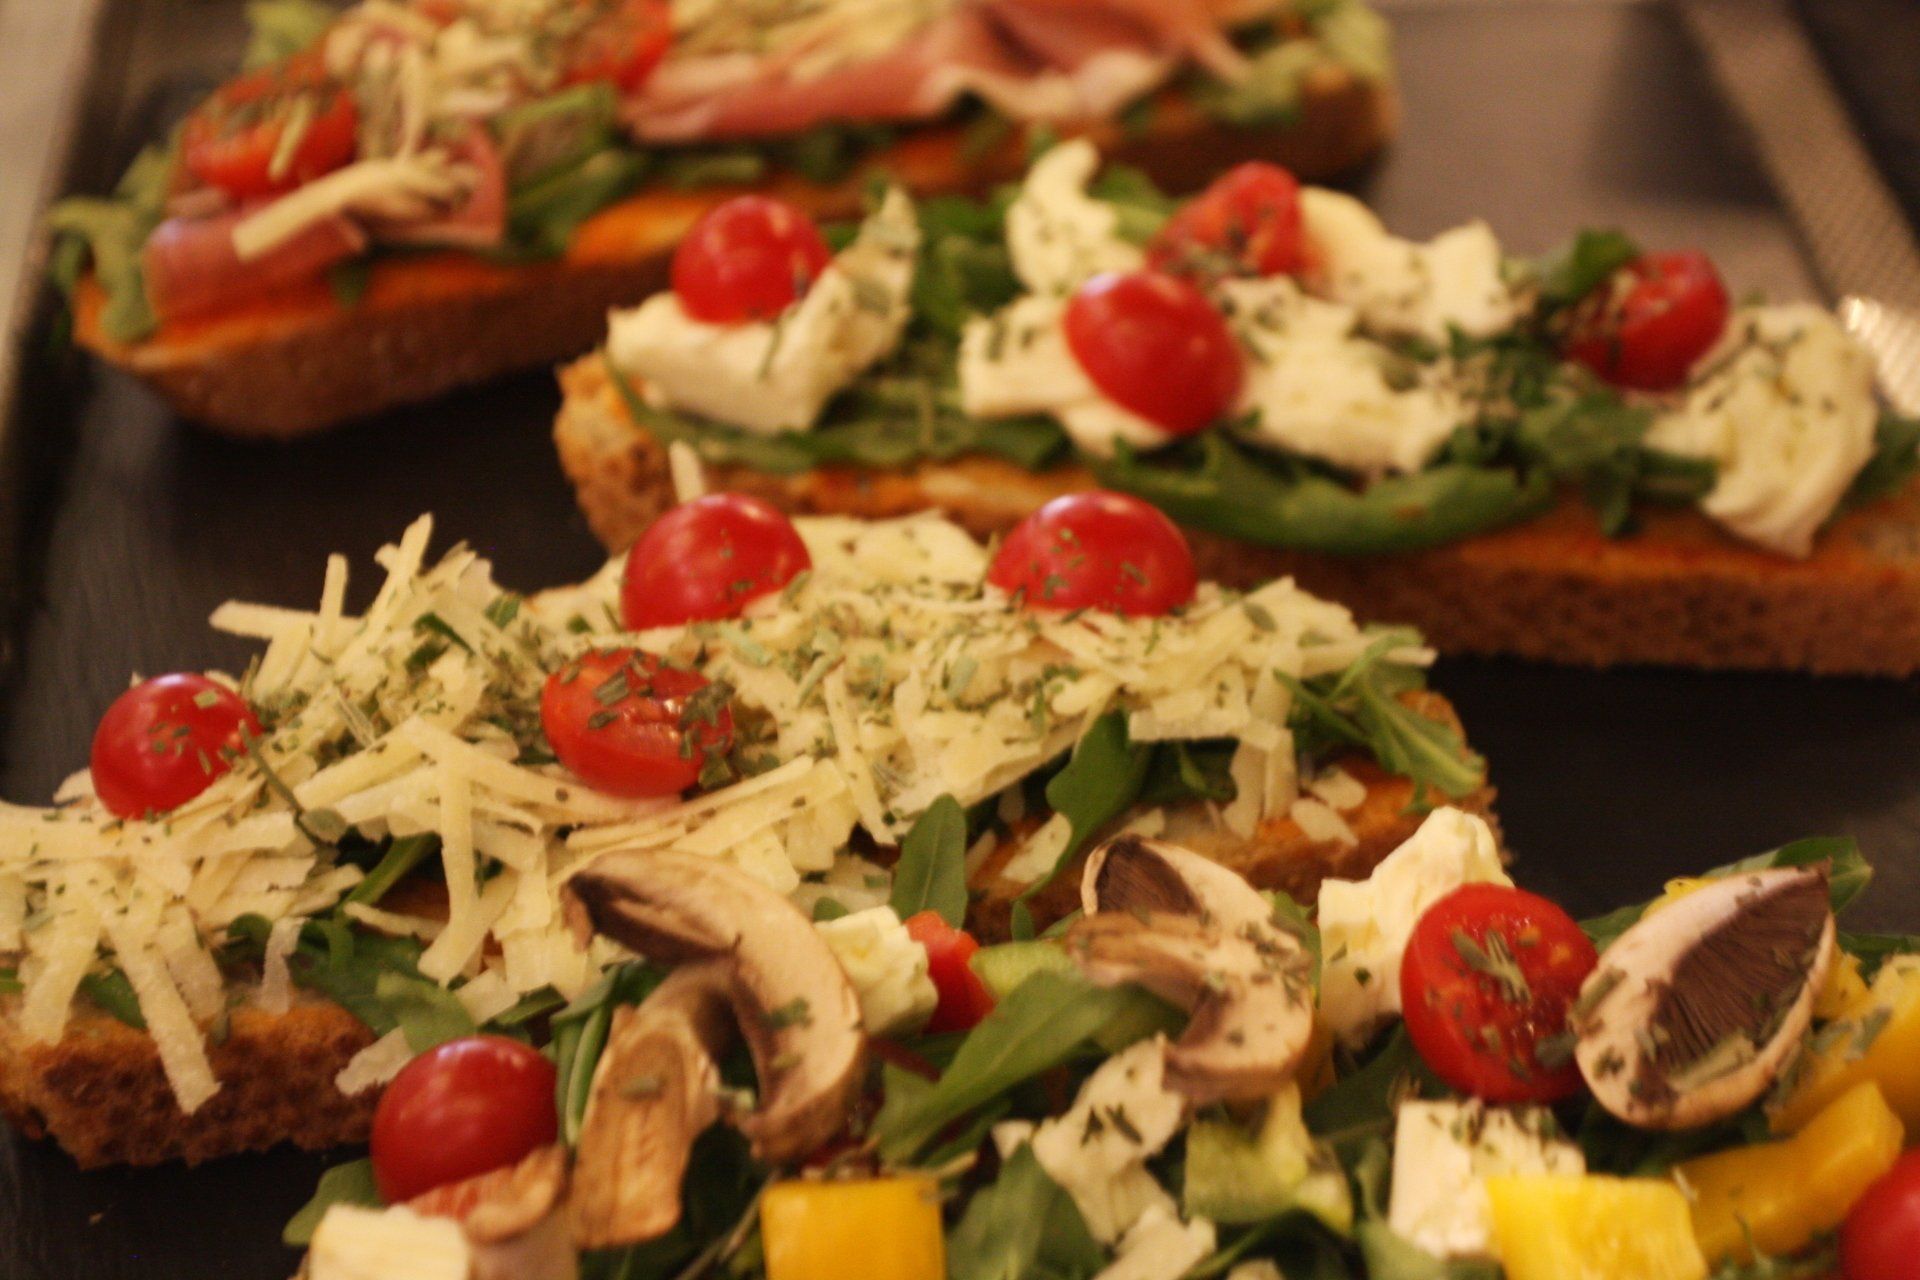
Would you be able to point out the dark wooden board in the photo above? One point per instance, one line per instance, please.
(1540, 116)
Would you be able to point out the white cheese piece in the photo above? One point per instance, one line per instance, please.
(1314, 386)
(374, 1065)
(357, 1243)
(1161, 1247)
(1059, 236)
(1017, 362)
(1321, 822)
(1365, 924)
(1399, 286)
(1098, 1150)
(1443, 1152)
(778, 375)
(887, 967)
(1784, 406)
(374, 185)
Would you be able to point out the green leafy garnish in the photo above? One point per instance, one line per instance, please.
(1848, 874)
(931, 874)
(350, 1183)
(403, 854)
(1023, 1224)
(113, 994)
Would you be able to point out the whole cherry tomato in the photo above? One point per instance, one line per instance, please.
(621, 43)
(1097, 550)
(964, 999)
(459, 1110)
(1155, 345)
(630, 725)
(1647, 326)
(748, 259)
(236, 140)
(707, 559)
(1246, 224)
(1489, 974)
(1880, 1239)
(165, 740)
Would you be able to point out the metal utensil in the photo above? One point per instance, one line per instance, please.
(1892, 334)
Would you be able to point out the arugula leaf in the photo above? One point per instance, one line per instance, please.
(1181, 772)
(349, 1183)
(10, 982)
(1269, 91)
(282, 28)
(932, 874)
(1580, 267)
(1213, 484)
(1848, 876)
(1612, 1146)
(114, 995)
(1044, 1022)
(1022, 1225)
(1101, 780)
(426, 1012)
(580, 1036)
(110, 233)
(543, 216)
(1895, 461)
(403, 854)
(1362, 1105)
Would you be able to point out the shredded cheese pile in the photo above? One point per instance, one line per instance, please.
(882, 679)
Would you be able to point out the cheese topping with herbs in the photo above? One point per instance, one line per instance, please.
(778, 375)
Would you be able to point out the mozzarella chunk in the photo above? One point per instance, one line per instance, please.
(887, 967)
(1443, 1154)
(355, 1243)
(1017, 362)
(778, 375)
(1365, 924)
(1161, 1247)
(1058, 235)
(1401, 287)
(1784, 406)
(1315, 386)
(1098, 1150)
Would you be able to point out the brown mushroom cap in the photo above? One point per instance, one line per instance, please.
(790, 998)
(1693, 1012)
(1198, 935)
(655, 1090)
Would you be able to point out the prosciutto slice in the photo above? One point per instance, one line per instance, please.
(1058, 60)
(191, 266)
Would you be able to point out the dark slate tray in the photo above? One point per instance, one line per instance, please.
(1537, 114)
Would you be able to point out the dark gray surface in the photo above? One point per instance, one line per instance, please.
(1539, 117)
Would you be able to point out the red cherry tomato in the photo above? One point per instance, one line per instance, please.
(1489, 975)
(1155, 345)
(1246, 224)
(1097, 550)
(630, 725)
(622, 42)
(748, 259)
(165, 740)
(1647, 326)
(964, 999)
(459, 1110)
(707, 559)
(234, 139)
(1880, 1239)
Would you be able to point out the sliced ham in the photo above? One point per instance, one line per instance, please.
(191, 266)
(478, 223)
(1033, 59)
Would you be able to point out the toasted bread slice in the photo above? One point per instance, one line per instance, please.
(101, 1093)
(1677, 591)
(300, 360)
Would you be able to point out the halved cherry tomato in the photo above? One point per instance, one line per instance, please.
(748, 259)
(1246, 224)
(459, 1110)
(1156, 346)
(621, 43)
(964, 999)
(165, 740)
(630, 725)
(1880, 1239)
(1097, 550)
(1489, 974)
(237, 139)
(1647, 326)
(707, 559)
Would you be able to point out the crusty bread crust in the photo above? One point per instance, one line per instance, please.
(100, 1092)
(299, 361)
(1679, 591)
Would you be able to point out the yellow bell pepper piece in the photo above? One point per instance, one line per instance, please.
(1877, 1040)
(1559, 1227)
(1677, 889)
(1778, 1196)
(876, 1228)
(1843, 989)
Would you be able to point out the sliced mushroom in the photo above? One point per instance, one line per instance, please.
(655, 1090)
(511, 1218)
(1250, 1004)
(1693, 1012)
(791, 1000)
(1131, 873)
